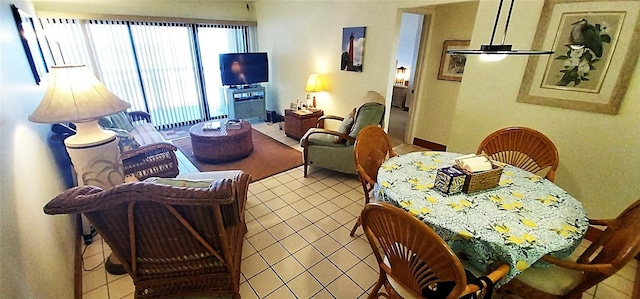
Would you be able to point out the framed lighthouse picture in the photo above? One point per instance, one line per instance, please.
(596, 47)
(352, 49)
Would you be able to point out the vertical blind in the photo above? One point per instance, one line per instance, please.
(170, 70)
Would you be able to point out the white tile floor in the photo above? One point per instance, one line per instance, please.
(298, 243)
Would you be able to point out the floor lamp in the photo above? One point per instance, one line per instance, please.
(76, 95)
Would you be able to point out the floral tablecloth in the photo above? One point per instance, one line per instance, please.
(518, 222)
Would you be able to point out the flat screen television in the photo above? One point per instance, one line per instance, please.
(244, 68)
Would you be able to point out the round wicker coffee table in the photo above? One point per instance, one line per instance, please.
(221, 145)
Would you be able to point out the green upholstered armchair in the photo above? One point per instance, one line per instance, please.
(334, 149)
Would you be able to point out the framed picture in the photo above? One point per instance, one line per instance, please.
(352, 49)
(596, 47)
(452, 65)
(27, 29)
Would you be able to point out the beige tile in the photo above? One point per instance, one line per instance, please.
(317, 186)
(282, 292)
(329, 193)
(363, 275)
(269, 220)
(323, 294)
(341, 188)
(604, 291)
(619, 283)
(284, 178)
(311, 233)
(99, 293)
(328, 207)
(359, 248)
(294, 243)
(308, 256)
(94, 279)
(343, 217)
(326, 245)
(325, 272)
(341, 201)
(253, 227)
(270, 182)
(247, 248)
(291, 197)
(265, 282)
(274, 253)
(344, 259)
(355, 195)
(341, 234)
(304, 285)
(316, 199)
(94, 248)
(121, 287)
(330, 181)
(259, 210)
(288, 268)
(355, 209)
(256, 187)
(275, 203)
(298, 222)
(261, 240)
(90, 263)
(372, 262)
(304, 192)
(314, 215)
(354, 182)
(327, 224)
(280, 190)
(344, 287)
(286, 212)
(246, 292)
(281, 231)
(628, 271)
(252, 265)
(302, 205)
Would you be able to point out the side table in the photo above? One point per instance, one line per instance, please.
(297, 123)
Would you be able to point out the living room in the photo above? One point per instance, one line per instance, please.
(302, 37)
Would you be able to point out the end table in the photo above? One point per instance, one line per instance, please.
(297, 123)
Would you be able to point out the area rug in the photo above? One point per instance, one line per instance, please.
(269, 157)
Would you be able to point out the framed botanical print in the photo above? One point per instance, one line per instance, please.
(596, 47)
(452, 65)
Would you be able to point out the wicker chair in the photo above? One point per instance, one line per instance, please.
(171, 240)
(372, 148)
(522, 147)
(413, 259)
(609, 252)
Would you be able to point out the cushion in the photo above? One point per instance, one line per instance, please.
(345, 126)
(105, 122)
(368, 114)
(126, 141)
(121, 120)
(552, 280)
(145, 134)
(180, 182)
(210, 175)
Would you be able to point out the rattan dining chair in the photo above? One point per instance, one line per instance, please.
(609, 252)
(172, 240)
(522, 147)
(414, 261)
(372, 148)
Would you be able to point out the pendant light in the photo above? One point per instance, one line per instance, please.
(496, 52)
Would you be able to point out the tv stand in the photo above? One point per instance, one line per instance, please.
(246, 102)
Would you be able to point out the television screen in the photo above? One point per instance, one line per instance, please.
(244, 68)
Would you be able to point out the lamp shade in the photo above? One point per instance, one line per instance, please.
(76, 95)
(314, 83)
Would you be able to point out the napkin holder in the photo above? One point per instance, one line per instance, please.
(449, 180)
(478, 181)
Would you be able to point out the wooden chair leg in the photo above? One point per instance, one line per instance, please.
(355, 227)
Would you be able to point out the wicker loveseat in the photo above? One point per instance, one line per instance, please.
(173, 236)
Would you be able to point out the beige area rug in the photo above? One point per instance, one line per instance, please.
(269, 157)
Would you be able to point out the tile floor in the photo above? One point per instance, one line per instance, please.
(298, 243)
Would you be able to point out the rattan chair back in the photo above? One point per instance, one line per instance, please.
(373, 146)
(522, 147)
(171, 240)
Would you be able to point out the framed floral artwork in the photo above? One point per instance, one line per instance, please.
(596, 47)
(452, 65)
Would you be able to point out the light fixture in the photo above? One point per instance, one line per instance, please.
(314, 84)
(400, 75)
(501, 49)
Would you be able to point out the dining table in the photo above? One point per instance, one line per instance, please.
(516, 222)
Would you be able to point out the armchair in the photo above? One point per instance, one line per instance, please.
(335, 149)
(173, 236)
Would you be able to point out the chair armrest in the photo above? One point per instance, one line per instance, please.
(233, 213)
(606, 269)
(139, 116)
(328, 117)
(602, 222)
(151, 160)
(305, 138)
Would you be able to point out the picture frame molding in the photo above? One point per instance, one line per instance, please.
(572, 99)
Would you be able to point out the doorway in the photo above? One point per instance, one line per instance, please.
(402, 100)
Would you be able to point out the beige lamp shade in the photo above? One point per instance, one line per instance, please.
(76, 95)
(314, 83)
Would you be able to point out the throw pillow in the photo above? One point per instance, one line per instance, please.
(180, 182)
(121, 120)
(126, 141)
(345, 126)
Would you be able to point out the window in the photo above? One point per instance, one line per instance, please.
(168, 69)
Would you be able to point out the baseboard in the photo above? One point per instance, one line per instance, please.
(77, 261)
(430, 145)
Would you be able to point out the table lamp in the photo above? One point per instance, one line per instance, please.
(314, 84)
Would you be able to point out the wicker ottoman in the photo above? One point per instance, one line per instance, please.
(221, 145)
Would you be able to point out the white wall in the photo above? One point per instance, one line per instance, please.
(598, 152)
(37, 250)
